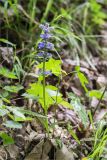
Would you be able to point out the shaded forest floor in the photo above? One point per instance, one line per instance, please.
(79, 133)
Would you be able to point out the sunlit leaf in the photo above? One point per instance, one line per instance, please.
(85, 158)
(82, 78)
(66, 104)
(52, 65)
(7, 140)
(6, 73)
(50, 94)
(20, 119)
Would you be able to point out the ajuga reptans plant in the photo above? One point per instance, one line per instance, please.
(48, 95)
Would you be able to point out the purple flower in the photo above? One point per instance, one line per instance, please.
(41, 45)
(49, 45)
(48, 54)
(45, 36)
(40, 54)
(43, 54)
(46, 28)
(47, 73)
(45, 45)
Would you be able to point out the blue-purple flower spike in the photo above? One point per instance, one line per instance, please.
(41, 45)
(47, 73)
(45, 45)
(46, 28)
(49, 46)
(45, 36)
(43, 54)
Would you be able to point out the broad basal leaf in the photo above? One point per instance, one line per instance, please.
(16, 112)
(13, 89)
(7, 140)
(3, 111)
(79, 108)
(52, 95)
(6, 73)
(12, 124)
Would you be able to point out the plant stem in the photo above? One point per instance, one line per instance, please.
(55, 104)
(44, 97)
(94, 112)
(44, 83)
(99, 101)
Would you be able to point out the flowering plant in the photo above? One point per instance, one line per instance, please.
(48, 94)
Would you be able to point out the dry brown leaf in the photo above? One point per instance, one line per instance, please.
(40, 151)
(63, 153)
(100, 115)
(13, 151)
(101, 81)
(7, 53)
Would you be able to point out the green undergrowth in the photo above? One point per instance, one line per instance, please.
(22, 73)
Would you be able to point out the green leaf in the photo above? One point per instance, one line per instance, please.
(97, 15)
(44, 122)
(83, 80)
(77, 68)
(91, 119)
(98, 94)
(34, 114)
(6, 100)
(47, 9)
(52, 65)
(16, 112)
(58, 143)
(20, 119)
(79, 109)
(6, 41)
(30, 96)
(13, 89)
(7, 140)
(50, 94)
(6, 73)
(73, 134)
(12, 124)
(66, 104)
(3, 111)
(95, 93)
(37, 91)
